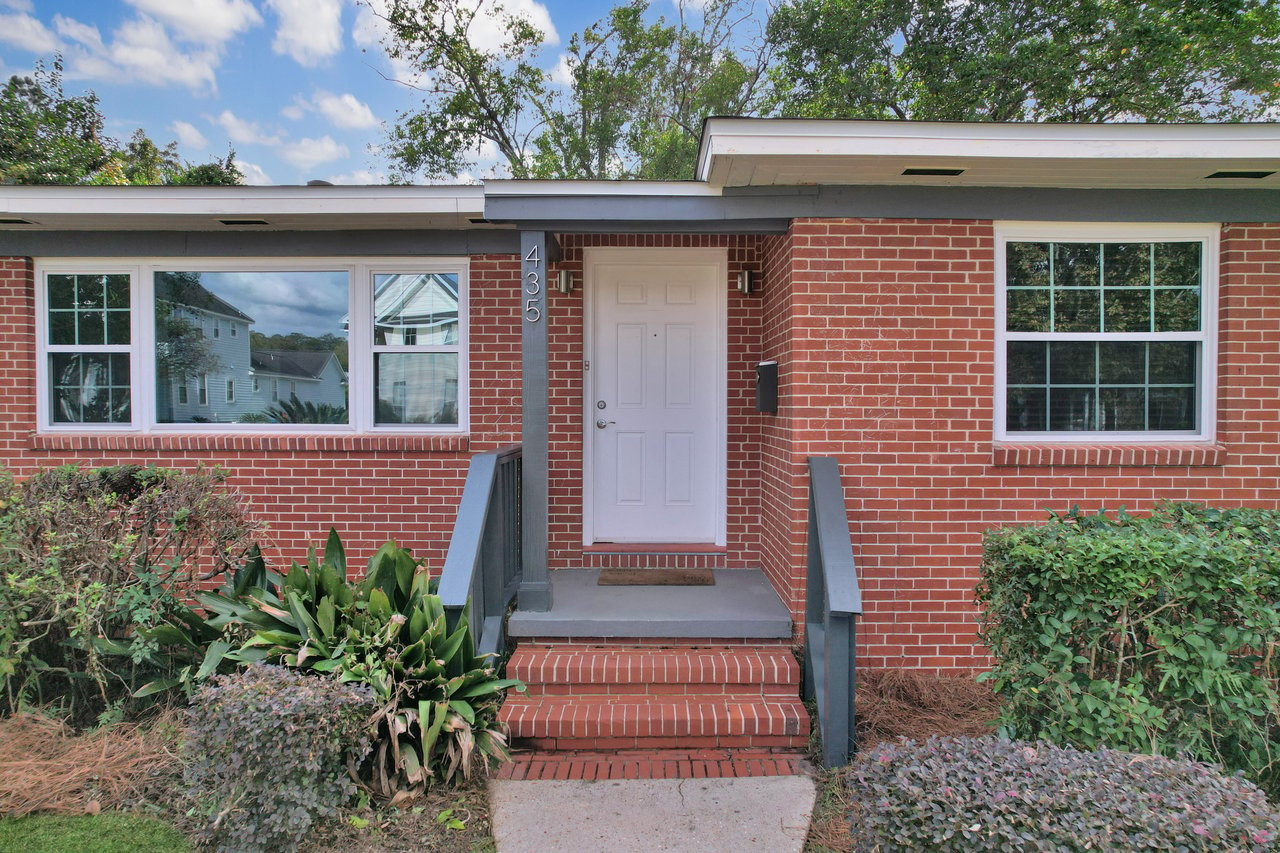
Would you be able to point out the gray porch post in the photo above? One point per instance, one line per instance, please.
(535, 585)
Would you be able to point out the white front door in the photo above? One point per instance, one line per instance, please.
(656, 396)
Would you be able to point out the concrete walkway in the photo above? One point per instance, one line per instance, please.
(740, 815)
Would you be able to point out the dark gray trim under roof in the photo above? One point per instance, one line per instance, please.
(771, 209)
(295, 244)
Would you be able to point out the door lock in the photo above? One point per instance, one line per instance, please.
(602, 423)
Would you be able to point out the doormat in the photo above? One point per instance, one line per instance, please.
(657, 577)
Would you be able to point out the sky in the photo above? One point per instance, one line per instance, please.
(301, 89)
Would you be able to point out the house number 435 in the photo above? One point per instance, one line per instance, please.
(533, 287)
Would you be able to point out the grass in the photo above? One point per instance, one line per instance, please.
(829, 828)
(112, 832)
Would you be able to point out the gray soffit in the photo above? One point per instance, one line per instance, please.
(770, 209)
(294, 244)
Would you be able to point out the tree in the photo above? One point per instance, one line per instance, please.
(630, 103)
(48, 137)
(1027, 60)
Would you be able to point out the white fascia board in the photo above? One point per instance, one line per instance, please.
(562, 189)
(968, 140)
(240, 201)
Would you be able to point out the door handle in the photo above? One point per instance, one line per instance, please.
(602, 423)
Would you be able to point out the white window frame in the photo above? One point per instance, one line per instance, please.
(1208, 234)
(202, 390)
(230, 388)
(360, 275)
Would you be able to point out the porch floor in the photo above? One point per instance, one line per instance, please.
(741, 605)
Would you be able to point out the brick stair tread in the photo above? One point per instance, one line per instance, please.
(547, 665)
(657, 717)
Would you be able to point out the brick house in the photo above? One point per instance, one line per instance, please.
(978, 322)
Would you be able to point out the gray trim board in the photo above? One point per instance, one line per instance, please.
(292, 244)
(535, 586)
(770, 209)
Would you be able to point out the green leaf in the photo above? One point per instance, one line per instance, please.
(335, 556)
(212, 658)
(464, 710)
(158, 686)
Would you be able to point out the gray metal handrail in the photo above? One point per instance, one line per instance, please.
(483, 563)
(833, 603)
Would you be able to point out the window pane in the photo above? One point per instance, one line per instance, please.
(1177, 264)
(1127, 310)
(1024, 410)
(1076, 311)
(416, 388)
(1122, 363)
(1075, 264)
(1126, 264)
(1174, 363)
(1027, 264)
(417, 309)
(1026, 362)
(89, 388)
(289, 327)
(1072, 363)
(1123, 409)
(1171, 409)
(1178, 310)
(77, 309)
(1028, 311)
(1072, 409)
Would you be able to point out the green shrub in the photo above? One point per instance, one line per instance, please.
(973, 794)
(266, 754)
(1152, 634)
(88, 556)
(438, 701)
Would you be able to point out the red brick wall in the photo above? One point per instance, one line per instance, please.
(371, 488)
(891, 343)
(565, 355)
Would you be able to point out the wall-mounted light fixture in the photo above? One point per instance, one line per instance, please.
(564, 281)
(746, 281)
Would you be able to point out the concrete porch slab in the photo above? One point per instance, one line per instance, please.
(766, 814)
(741, 604)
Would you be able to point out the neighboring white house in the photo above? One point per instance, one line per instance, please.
(234, 383)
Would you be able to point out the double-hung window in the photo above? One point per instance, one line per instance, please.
(333, 345)
(1105, 333)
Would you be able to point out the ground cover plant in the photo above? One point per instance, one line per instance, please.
(94, 556)
(1153, 634)
(266, 752)
(974, 794)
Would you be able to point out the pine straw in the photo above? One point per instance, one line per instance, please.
(45, 766)
(893, 703)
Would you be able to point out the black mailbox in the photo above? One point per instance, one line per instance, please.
(767, 387)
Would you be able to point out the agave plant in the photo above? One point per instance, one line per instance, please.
(437, 699)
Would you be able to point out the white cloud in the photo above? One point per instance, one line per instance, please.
(293, 112)
(310, 31)
(361, 177)
(28, 33)
(562, 74)
(243, 130)
(204, 21)
(344, 110)
(253, 174)
(486, 31)
(188, 135)
(309, 153)
(20, 5)
(140, 51)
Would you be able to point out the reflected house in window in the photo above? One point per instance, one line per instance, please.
(416, 346)
(188, 352)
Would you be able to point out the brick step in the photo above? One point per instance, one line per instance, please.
(723, 721)
(657, 671)
(655, 764)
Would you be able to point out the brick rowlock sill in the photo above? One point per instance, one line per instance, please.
(1065, 455)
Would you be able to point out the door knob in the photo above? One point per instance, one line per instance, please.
(602, 423)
